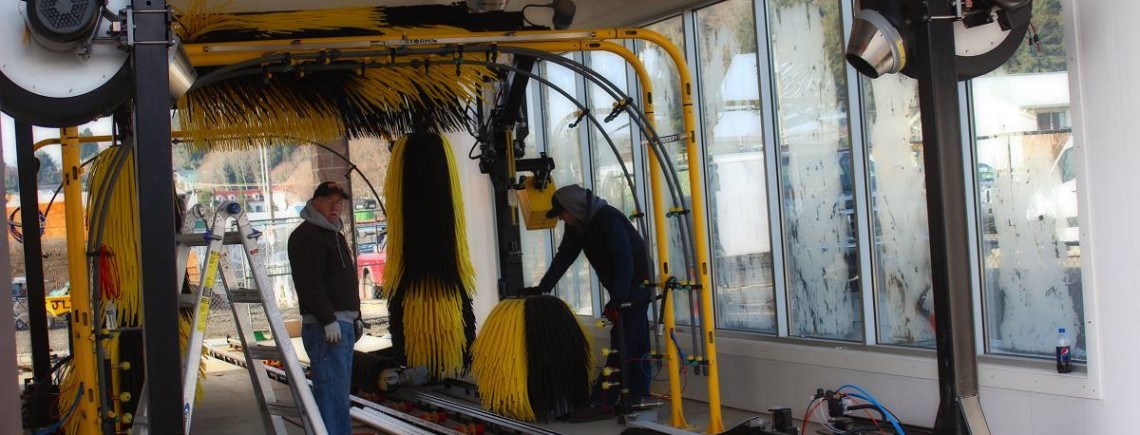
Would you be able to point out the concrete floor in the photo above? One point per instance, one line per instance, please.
(229, 408)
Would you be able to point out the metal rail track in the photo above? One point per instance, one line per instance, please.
(396, 422)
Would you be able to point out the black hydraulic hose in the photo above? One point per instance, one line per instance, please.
(618, 95)
(641, 221)
(646, 127)
(685, 222)
(47, 209)
(379, 200)
(122, 152)
(243, 69)
(585, 111)
(654, 139)
(221, 74)
(237, 70)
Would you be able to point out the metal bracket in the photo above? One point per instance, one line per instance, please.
(541, 167)
(128, 16)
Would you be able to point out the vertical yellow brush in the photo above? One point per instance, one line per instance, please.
(428, 278)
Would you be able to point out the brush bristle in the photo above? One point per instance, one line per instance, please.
(428, 277)
(559, 360)
(500, 362)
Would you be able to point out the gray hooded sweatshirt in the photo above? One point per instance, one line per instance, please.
(316, 296)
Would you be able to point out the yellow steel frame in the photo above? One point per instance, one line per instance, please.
(82, 328)
(672, 358)
(219, 54)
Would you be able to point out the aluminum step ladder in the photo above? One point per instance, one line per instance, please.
(273, 412)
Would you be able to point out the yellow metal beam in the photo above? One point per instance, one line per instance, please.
(82, 329)
(672, 358)
(700, 233)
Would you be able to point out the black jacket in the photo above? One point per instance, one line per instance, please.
(614, 249)
(324, 272)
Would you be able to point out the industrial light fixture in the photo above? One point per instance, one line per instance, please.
(879, 39)
(182, 74)
(986, 34)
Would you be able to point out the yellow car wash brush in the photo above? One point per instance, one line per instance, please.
(532, 359)
(304, 96)
(429, 280)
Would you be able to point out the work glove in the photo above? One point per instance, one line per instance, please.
(332, 332)
(612, 310)
(358, 328)
(531, 291)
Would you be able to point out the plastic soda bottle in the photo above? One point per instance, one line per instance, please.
(1064, 357)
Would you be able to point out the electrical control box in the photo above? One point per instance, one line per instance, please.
(534, 204)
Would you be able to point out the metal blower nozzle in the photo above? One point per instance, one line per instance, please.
(182, 74)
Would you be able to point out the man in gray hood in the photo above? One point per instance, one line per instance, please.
(324, 275)
(617, 254)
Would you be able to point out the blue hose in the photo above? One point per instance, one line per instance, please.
(55, 426)
(680, 354)
(871, 399)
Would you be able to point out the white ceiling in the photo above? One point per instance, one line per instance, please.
(590, 13)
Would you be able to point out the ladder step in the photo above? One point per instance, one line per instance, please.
(199, 239)
(264, 352)
(245, 296)
(287, 410)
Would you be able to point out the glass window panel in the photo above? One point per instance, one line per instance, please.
(901, 258)
(1028, 203)
(669, 123)
(563, 146)
(610, 181)
(536, 254)
(815, 160)
(734, 142)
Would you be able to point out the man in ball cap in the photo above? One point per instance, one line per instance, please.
(324, 275)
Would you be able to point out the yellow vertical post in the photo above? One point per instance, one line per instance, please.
(82, 329)
(656, 171)
(700, 234)
(672, 358)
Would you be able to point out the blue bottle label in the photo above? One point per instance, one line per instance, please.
(1063, 355)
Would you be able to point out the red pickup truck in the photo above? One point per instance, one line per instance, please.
(370, 269)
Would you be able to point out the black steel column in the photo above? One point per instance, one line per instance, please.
(33, 253)
(507, 229)
(946, 208)
(154, 168)
(506, 218)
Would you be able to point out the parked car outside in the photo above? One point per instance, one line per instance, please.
(370, 268)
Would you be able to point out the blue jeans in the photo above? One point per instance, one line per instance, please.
(332, 374)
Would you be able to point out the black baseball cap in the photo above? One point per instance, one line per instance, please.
(329, 188)
(555, 208)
